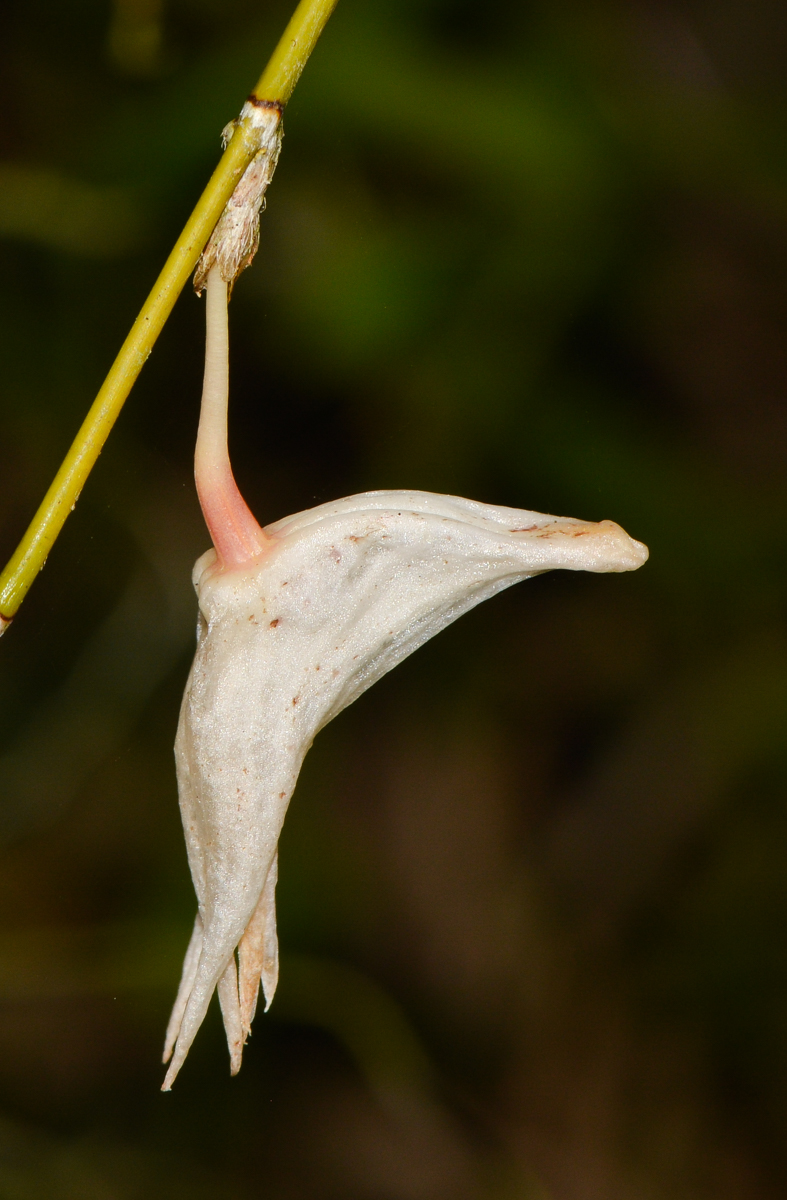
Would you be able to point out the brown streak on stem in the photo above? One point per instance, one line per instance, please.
(276, 105)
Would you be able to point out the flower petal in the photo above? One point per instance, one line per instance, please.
(337, 597)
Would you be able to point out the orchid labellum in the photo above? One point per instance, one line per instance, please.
(296, 621)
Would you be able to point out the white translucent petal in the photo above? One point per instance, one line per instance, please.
(344, 592)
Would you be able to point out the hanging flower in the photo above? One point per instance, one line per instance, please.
(296, 621)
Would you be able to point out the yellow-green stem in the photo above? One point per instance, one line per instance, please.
(276, 83)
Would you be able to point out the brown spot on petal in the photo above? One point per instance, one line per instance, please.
(274, 623)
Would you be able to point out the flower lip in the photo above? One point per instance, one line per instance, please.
(610, 547)
(579, 545)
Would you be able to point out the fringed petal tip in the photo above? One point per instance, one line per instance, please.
(238, 986)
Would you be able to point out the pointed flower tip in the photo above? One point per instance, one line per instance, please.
(171, 1075)
(344, 592)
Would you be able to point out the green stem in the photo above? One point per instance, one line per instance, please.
(276, 83)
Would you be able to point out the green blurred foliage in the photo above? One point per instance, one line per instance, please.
(532, 901)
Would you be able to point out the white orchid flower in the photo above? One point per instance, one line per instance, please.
(296, 621)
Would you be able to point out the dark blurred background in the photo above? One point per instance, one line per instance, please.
(533, 901)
